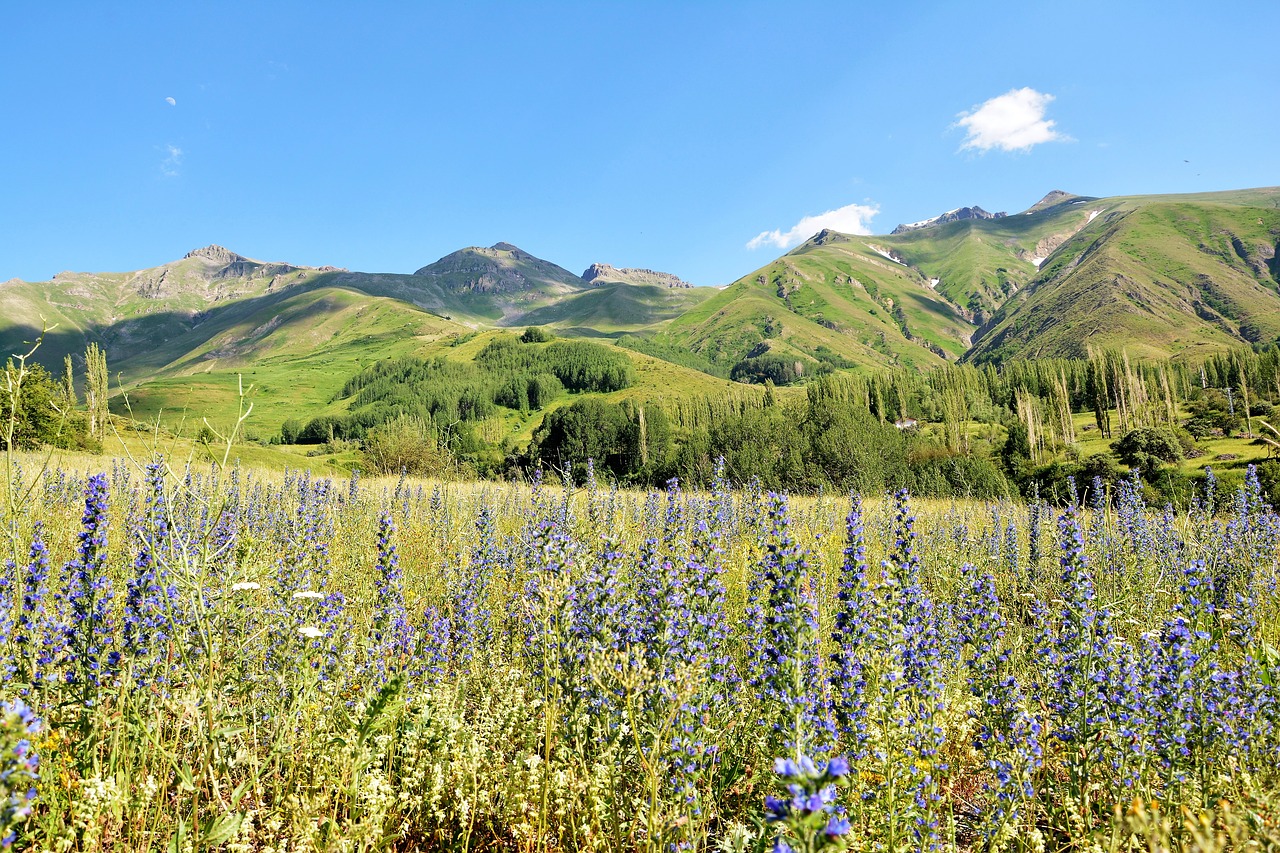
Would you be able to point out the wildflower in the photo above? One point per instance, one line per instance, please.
(18, 764)
(89, 635)
(243, 585)
(311, 632)
(809, 815)
(390, 633)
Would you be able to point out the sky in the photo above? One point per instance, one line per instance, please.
(698, 138)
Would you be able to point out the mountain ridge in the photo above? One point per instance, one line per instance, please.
(1165, 275)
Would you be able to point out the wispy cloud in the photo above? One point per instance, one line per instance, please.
(171, 165)
(1013, 121)
(850, 219)
(171, 102)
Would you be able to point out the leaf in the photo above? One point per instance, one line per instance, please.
(373, 714)
(178, 841)
(221, 829)
(239, 792)
(186, 780)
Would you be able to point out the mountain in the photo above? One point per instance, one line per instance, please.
(501, 269)
(213, 313)
(599, 273)
(1159, 276)
(835, 298)
(1163, 276)
(960, 214)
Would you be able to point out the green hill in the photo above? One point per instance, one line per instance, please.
(177, 335)
(1159, 276)
(1162, 277)
(834, 296)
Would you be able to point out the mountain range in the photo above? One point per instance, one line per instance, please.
(1174, 276)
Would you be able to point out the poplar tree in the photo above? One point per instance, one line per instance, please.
(95, 382)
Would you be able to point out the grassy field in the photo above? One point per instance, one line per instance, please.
(251, 659)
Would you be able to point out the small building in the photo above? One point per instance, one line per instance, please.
(906, 423)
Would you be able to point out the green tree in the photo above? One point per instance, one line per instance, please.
(589, 429)
(1148, 448)
(95, 375)
(31, 405)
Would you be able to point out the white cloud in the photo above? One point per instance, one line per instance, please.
(171, 165)
(1013, 121)
(850, 219)
(171, 102)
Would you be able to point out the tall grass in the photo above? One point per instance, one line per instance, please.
(217, 658)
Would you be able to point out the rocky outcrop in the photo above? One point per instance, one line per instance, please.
(826, 235)
(600, 273)
(1050, 199)
(960, 214)
(217, 254)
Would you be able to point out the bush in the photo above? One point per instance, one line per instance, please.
(777, 369)
(290, 431)
(536, 335)
(37, 418)
(1147, 448)
(406, 444)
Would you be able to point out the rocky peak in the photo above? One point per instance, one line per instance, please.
(516, 252)
(599, 273)
(1051, 198)
(217, 254)
(501, 268)
(826, 235)
(960, 214)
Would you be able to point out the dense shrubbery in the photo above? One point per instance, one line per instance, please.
(770, 367)
(964, 431)
(659, 347)
(445, 393)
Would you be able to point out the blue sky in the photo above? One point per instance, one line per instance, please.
(382, 136)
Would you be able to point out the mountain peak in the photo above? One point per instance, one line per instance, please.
(501, 268)
(217, 254)
(957, 215)
(826, 235)
(632, 275)
(1051, 198)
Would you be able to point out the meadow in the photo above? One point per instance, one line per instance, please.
(207, 656)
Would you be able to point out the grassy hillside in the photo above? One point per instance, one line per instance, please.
(1160, 276)
(1176, 277)
(613, 308)
(978, 264)
(297, 352)
(834, 293)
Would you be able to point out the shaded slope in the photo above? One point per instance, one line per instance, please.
(616, 307)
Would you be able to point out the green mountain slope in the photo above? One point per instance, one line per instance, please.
(1160, 276)
(833, 294)
(979, 263)
(1175, 276)
(154, 318)
(177, 335)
